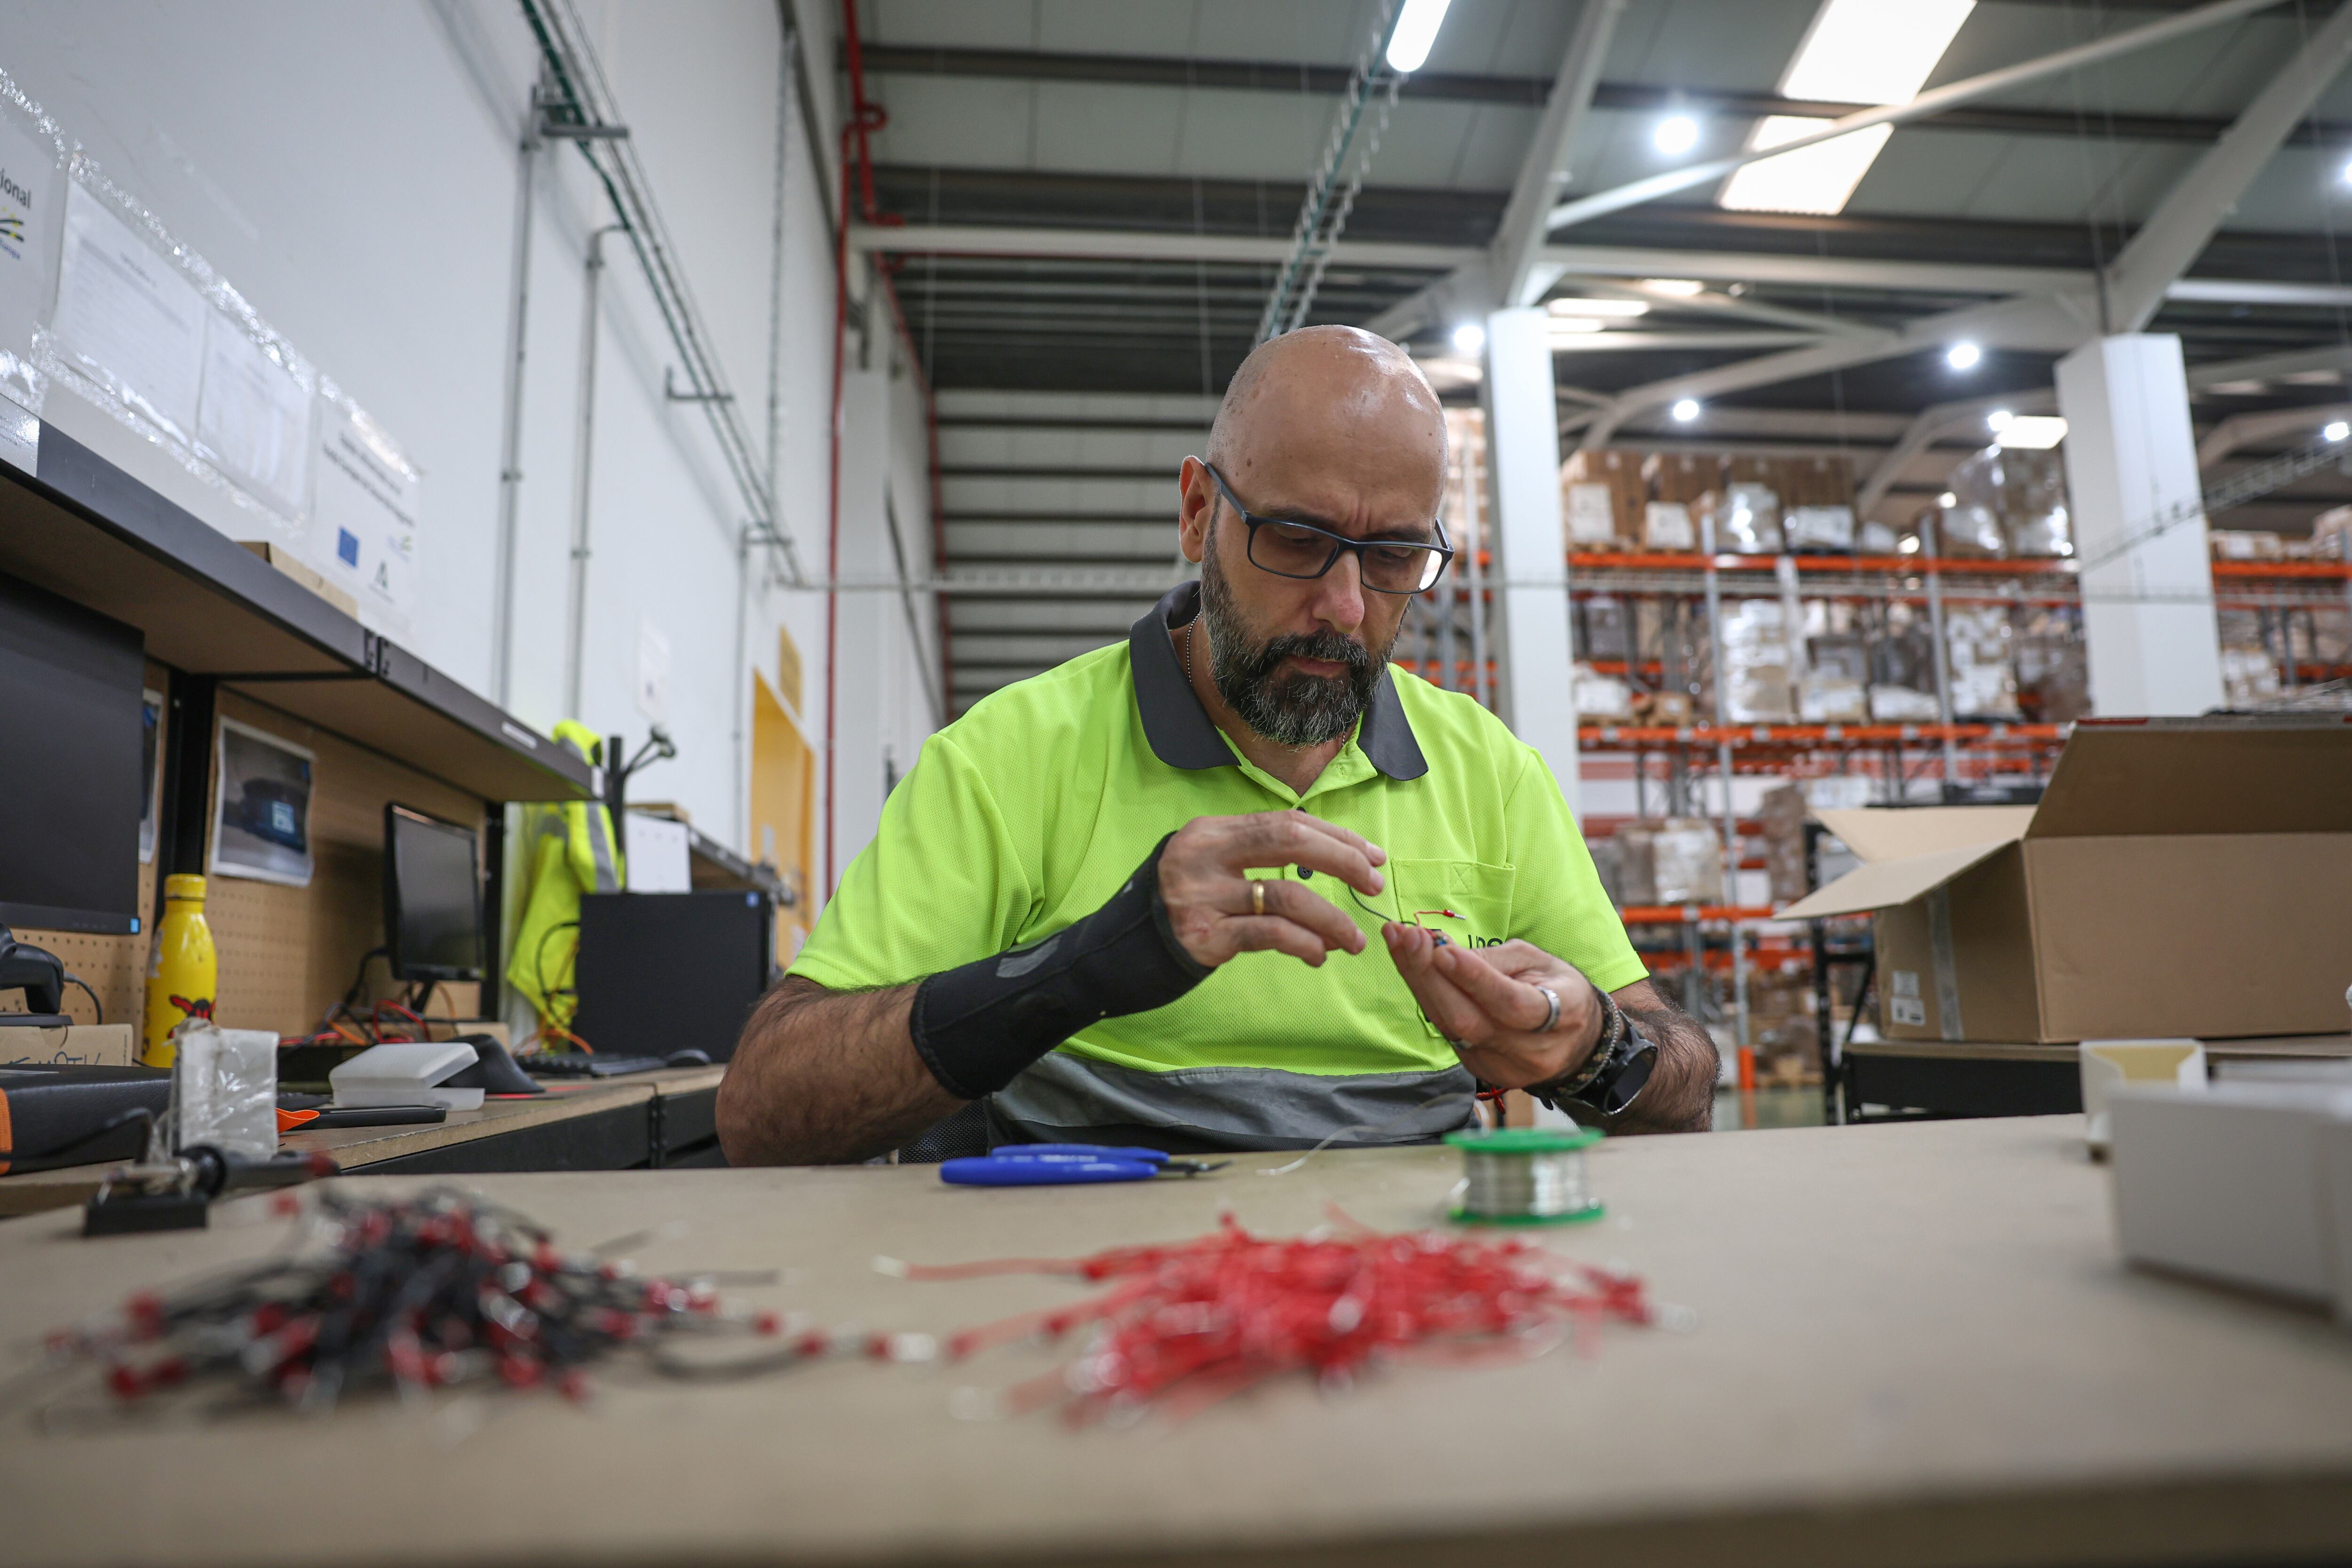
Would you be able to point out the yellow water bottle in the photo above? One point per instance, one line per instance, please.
(183, 973)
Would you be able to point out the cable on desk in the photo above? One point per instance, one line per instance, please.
(73, 979)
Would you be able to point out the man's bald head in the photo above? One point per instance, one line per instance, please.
(1319, 393)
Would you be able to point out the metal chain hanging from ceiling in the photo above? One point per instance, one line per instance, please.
(1331, 194)
(577, 106)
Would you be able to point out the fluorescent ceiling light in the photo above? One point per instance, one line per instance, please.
(1575, 325)
(1675, 135)
(1576, 307)
(2031, 432)
(1857, 51)
(1416, 31)
(2335, 430)
(1685, 410)
(1998, 420)
(1681, 287)
(1947, 501)
(1469, 337)
(1963, 356)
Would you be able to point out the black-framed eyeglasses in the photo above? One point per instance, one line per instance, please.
(1290, 549)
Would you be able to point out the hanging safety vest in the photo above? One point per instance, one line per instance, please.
(572, 851)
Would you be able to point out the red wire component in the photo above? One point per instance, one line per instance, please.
(1195, 1322)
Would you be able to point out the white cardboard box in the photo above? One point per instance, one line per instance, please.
(2250, 1183)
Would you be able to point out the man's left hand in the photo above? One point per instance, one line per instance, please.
(1486, 1003)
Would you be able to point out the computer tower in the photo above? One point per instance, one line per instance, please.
(671, 972)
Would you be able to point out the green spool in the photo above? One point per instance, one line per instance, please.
(1526, 1176)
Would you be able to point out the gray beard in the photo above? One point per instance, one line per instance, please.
(1289, 708)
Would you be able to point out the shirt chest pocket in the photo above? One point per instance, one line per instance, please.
(1467, 901)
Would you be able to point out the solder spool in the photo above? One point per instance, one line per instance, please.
(1524, 1176)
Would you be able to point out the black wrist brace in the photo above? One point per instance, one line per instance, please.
(977, 1027)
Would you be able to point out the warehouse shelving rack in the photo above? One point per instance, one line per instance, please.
(1957, 750)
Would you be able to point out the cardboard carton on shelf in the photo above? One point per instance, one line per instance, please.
(1681, 475)
(2180, 878)
(278, 555)
(1668, 525)
(76, 1045)
(1670, 860)
(1601, 497)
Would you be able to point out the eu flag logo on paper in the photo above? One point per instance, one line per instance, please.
(347, 546)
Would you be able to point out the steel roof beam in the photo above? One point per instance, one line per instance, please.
(2135, 284)
(1926, 106)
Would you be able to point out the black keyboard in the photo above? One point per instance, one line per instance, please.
(579, 1064)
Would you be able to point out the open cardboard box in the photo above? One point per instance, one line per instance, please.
(2180, 878)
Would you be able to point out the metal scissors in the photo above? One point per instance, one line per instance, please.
(1067, 1164)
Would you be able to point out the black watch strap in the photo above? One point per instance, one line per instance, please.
(1617, 1086)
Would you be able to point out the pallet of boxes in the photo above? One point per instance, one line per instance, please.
(2009, 663)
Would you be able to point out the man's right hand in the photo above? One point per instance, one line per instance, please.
(1202, 883)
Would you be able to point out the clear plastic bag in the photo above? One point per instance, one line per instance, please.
(224, 1090)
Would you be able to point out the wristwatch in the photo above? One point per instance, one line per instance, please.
(1612, 1078)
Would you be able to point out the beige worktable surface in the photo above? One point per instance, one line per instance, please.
(1916, 1345)
(356, 1147)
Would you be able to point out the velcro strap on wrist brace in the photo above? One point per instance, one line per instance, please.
(977, 1027)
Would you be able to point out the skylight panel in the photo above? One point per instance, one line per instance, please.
(1857, 51)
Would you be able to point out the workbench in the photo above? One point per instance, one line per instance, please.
(1915, 1344)
(1979, 1078)
(654, 1119)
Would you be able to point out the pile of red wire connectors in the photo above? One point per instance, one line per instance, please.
(1193, 1323)
(423, 1293)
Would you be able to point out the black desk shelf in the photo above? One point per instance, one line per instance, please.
(85, 530)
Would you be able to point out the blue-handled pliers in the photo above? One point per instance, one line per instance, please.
(1067, 1164)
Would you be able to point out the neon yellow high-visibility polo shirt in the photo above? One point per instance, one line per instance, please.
(1030, 811)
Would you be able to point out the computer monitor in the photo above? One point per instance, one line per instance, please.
(71, 734)
(432, 897)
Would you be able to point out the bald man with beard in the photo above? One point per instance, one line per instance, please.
(1238, 882)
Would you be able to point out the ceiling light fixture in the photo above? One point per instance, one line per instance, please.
(1947, 501)
(1566, 306)
(1469, 338)
(2335, 430)
(1857, 51)
(1998, 420)
(1685, 409)
(2031, 432)
(2346, 174)
(1963, 356)
(1675, 135)
(1416, 31)
(1681, 287)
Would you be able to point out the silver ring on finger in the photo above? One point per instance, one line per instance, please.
(1551, 1017)
(1257, 907)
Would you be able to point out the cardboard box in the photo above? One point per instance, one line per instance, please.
(278, 555)
(77, 1045)
(1668, 525)
(1601, 497)
(2181, 877)
(2246, 1182)
(1670, 860)
(1681, 475)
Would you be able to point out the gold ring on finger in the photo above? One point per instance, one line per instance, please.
(1258, 897)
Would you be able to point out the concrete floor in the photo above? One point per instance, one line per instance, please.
(1739, 1112)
